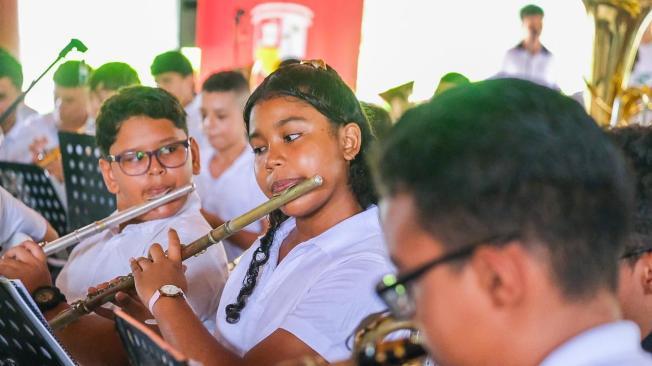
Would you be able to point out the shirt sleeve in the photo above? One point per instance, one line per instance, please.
(328, 314)
(16, 217)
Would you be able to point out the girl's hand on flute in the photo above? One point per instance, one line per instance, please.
(151, 274)
(28, 263)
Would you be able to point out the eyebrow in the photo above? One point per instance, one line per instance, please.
(280, 123)
(161, 143)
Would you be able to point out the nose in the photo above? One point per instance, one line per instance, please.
(155, 166)
(275, 157)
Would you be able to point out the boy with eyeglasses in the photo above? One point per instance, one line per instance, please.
(147, 153)
(635, 286)
(506, 221)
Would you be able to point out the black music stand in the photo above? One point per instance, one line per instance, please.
(145, 347)
(25, 338)
(31, 185)
(87, 196)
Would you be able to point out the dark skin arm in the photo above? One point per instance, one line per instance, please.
(91, 340)
(242, 238)
(184, 331)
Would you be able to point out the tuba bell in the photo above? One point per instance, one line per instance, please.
(619, 26)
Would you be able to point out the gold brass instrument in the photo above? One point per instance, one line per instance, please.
(619, 26)
(116, 219)
(371, 349)
(124, 283)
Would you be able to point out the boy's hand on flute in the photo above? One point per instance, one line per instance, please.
(28, 263)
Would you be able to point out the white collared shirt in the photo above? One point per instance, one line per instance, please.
(231, 194)
(194, 119)
(612, 344)
(320, 291)
(17, 219)
(538, 67)
(106, 256)
(29, 126)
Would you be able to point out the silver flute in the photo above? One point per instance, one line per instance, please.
(113, 220)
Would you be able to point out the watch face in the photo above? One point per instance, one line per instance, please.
(44, 296)
(170, 290)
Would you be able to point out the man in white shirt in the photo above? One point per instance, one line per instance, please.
(12, 136)
(19, 222)
(227, 183)
(530, 60)
(507, 222)
(173, 72)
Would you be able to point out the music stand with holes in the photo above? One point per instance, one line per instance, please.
(31, 185)
(87, 196)
(25, 338)
(144, 346)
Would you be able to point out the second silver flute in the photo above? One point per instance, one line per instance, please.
(113, 220)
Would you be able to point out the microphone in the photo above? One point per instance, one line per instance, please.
(74, 43)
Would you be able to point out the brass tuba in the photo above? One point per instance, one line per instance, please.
(619, 26)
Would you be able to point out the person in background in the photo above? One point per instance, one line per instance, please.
(13, 131)
(227, 181)
(104, 83)
(449, 81)
(173, 72)
(530, 60)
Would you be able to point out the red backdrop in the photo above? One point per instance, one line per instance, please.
(334, 35)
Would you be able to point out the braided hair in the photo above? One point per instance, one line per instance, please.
(322, 88)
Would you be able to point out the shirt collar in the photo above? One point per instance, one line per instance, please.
(597, 344)
(521, 46)
(354, 229)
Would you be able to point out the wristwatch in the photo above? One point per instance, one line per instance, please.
(167, 291)
(48, 297)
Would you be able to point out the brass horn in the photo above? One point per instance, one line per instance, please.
(619, 26)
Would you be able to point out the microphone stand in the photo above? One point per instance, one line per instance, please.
(22, 95)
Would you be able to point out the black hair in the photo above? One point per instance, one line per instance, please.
(72, 74)
(171, 61)
(530, 10)
(136, 101)
(11, 68)
(379, 119)
(322, 88)
(636, 143)
(226, 81)
(509, 158)
(113, 76)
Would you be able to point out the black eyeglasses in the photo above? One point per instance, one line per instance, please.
(133, 163)
(394, 289)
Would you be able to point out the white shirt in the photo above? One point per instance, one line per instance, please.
(231, 194)
(320, 291)
(106, 256)
(15, 146)
(194, 119)
(612, 344)
(18, 221)
(538, 67)
(642, 72)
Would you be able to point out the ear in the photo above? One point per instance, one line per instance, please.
(350, 140)
(194, 156)
(501, 273)
(645, 261)
(109, 177)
